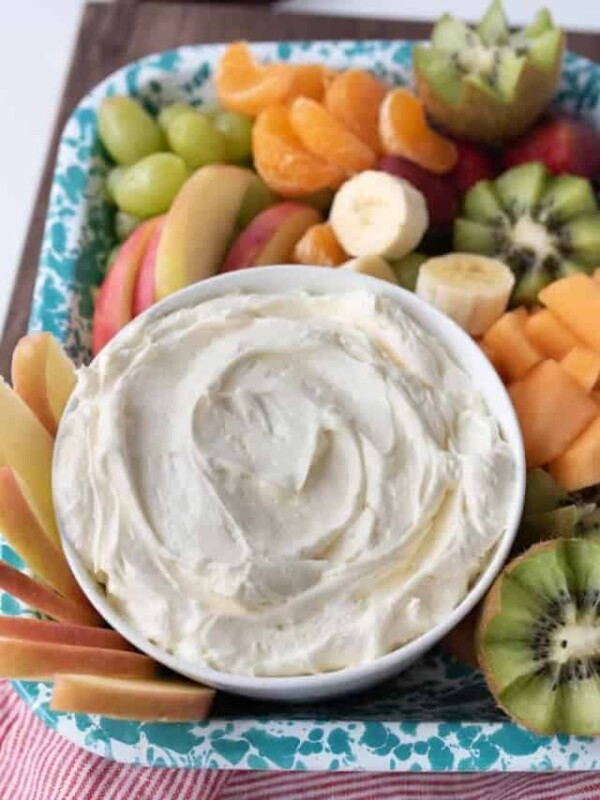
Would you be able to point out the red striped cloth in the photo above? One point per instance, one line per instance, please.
(38, 764)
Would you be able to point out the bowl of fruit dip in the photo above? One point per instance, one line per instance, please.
(288, 482)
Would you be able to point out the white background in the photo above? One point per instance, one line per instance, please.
(36, 38)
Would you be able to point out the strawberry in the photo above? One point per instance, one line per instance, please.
(474, 164)
(438, 190)
(562, 143)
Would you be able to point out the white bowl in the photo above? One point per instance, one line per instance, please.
(466, 353)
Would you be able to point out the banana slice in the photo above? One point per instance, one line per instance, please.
(375, 213)
(473, 290)
(375, 266)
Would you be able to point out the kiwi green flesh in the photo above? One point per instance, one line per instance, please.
(488, 57)
(493, 28)
(541, 649)
(542, 226)
(542, 493)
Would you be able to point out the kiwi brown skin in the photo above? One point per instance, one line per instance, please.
(481, 117)
(491, 606)
(460, 641)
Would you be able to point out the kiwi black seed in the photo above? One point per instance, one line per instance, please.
(543, 226)
(538, 639)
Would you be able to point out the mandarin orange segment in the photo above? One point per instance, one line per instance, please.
(319, 247)
(246, 86)
(310, 81)
(324, 136)
(404, 131)
(283, 162)
(354, 97)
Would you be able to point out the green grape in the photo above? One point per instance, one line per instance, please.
(168, 114)
(150, 186)
(258, 197)
(127, 131)
(113, 177)
(321, 199)
(407, 269)
(237, 132)
(196, 140)
(125, 224)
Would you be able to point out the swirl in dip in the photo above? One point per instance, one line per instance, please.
(281, 484)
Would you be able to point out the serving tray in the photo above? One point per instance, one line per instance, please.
(438, 715)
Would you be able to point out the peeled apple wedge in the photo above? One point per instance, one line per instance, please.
(26, 447)
(378, 214)
(472, 290)
(21, 528)
(198, 227)
(157, 700)
(43, 376)
(375, 266)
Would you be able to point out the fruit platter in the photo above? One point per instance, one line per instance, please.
(465, 170)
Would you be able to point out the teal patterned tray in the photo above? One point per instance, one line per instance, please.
(436, 716)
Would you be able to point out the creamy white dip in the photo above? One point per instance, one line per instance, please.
(281, 484)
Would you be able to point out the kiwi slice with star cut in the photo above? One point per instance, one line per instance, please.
(538, 638)
(485, 83)
(543, 226)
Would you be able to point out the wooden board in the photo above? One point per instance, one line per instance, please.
(112, 34)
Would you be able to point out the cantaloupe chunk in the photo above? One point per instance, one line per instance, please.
(579, 466)
(43, 376)
(596, 275)
(583, 364)
(26, 446)
(513, 352)
(22, 530)
(493, 357)
(547, 333)
(41, 598)
(552, 409)
(40, 630)
(22, 659)
(576, 301)
(151, 700)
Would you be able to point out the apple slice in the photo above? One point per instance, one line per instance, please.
(23, 659)
(144, 700)
(114, 303)
(43, 376)
(271, 236)
(26, 447)
(199, 226)
(40, 597)
(24, 533)
(144, 293)
(39, 630)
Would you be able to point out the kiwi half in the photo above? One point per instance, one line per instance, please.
(487, 84)
(550, 512)
(538, 638)
(543, 226)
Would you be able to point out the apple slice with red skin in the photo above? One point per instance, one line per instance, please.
(39, 630)
(22, 530)
(114, 303)
(144, 293)
(199, 226)
(23, 659)
(160, 700)
(27, 447)
(40, 597)
(271, 236)
(43, 376)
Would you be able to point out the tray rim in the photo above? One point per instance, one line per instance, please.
(365, 756)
